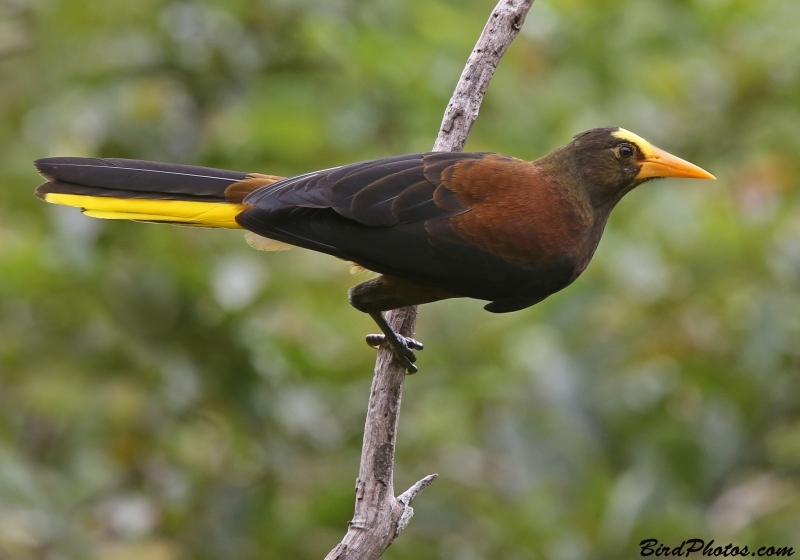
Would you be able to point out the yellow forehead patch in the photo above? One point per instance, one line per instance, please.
(644, 145)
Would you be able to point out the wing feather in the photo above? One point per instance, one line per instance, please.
(377, 193)
(391, 216)
(374, 204)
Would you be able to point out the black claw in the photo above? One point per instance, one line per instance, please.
(376, 340)
(414, 344)
(407, 345)
(403, 347)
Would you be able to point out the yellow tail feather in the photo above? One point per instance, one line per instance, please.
(203, 214)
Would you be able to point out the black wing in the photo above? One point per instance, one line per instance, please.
(384, 192)
(390, 216)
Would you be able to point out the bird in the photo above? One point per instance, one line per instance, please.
(434, 225)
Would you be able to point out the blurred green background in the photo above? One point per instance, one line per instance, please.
(168, 393)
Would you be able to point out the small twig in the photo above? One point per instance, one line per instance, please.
(379, 517)
(407, 497)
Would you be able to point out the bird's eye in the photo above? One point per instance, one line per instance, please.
(625, 151)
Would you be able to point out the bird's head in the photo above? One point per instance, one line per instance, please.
(612, 161)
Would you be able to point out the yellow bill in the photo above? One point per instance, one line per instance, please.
(659, 163)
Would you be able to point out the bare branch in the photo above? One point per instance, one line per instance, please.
(462, 111)
(379, 517)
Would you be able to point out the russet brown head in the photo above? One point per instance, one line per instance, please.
(610, 162)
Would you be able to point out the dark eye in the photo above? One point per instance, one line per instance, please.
(625, 151)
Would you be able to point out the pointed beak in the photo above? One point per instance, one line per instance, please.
(664, 164)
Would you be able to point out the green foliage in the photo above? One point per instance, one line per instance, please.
(168, 393)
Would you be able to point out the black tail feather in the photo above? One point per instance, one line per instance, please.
(130, 178)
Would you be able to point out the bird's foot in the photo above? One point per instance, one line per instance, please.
(402, 346)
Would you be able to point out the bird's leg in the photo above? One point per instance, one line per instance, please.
(403, 347)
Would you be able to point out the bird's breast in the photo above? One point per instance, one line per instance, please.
(520, 212)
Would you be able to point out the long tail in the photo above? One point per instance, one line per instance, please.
(146, 191)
